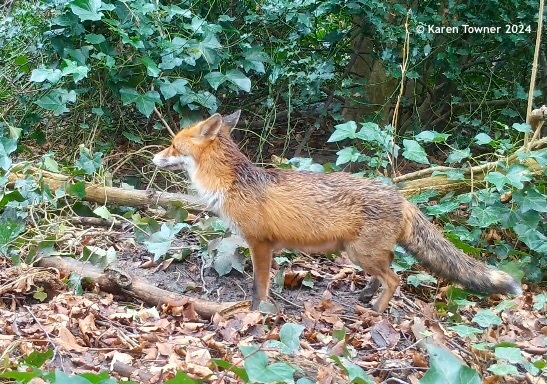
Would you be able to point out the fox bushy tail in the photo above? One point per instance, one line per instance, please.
(440, 256)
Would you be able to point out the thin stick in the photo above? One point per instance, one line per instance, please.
(164, 122)
(534, 73)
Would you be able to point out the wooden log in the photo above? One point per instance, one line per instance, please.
(139, 287)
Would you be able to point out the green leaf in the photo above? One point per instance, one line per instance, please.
(258, 370)
(445, 368)
(37, 359)
(89, 9)
(482, 138)
(432, 137)
(533, 201)
(151, 67)
(98, 256)
(87, 163)
(77, 190)
(240, 372)
(226, 254)
(56, 100)
(534, 239)
(7, 147)
(75, 283)
(103, 212)
(343, 131)
(420, 278)
(414, 152)
(42, 74)
(355, 373)
(511, 354)
(486, 318)
(458, 155)
(159, 242)
(503, 369)
(498, 179)
(208, 48)
(465, 331)
(181, 378)
(62, 378)
(145, 102)
(346, 155)
(215, 79)
(289, 338)
(237, 78)
(522, 127)
(171, 89)
(540, 301)
(78, 72)
(92, 38)
(517, 174)
(484, 217)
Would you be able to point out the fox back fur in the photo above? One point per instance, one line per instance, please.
(274, 209)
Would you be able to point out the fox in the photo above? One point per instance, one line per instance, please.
(275, 209)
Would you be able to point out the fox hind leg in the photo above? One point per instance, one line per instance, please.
(376, 262)
(370, 290)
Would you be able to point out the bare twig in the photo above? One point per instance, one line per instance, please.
(164, 122)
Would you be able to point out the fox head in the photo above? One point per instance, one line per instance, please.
(191, 142)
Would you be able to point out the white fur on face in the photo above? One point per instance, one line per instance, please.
(172, 163)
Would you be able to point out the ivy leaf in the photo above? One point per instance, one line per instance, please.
(57, 100)
(258, 370)
(159, 242)
(289, 338)
(237, 78)
(89, 164)
(503, 369)
(445, 368)
(255, 58)
(432, 137)
(355, 373)
(41, 74)
(343, 131)
(458, 155)
(413, 151)
(466, 331)
(208, 48)
(77, 190)
(346, 155)
(78, 72)
(482, 138)
(215, 79)
(89, 9)
(7, 146)
(151, 67)
(534, 239)
(103, 212)
(145, 103)
(226, 254)
(517, 174)
(498, 179)
(511, 354)
(170, 89)
(94, 39)
(522, 127)
(484, 217)
(486, 318)
(420, 278)
(533, 201)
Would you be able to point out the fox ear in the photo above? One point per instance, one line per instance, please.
(209, 128)
(230, 121)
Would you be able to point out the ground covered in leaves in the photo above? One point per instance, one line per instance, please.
(322, 334)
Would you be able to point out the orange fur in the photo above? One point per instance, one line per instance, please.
(274, 209)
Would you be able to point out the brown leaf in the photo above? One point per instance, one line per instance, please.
(68, 342)
(384, 335)
(418, 360)
(293, 279)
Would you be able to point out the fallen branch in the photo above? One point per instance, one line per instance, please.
(139, 288)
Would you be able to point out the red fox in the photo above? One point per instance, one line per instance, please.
(276, 208)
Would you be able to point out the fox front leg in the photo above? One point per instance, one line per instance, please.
(261, 255)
